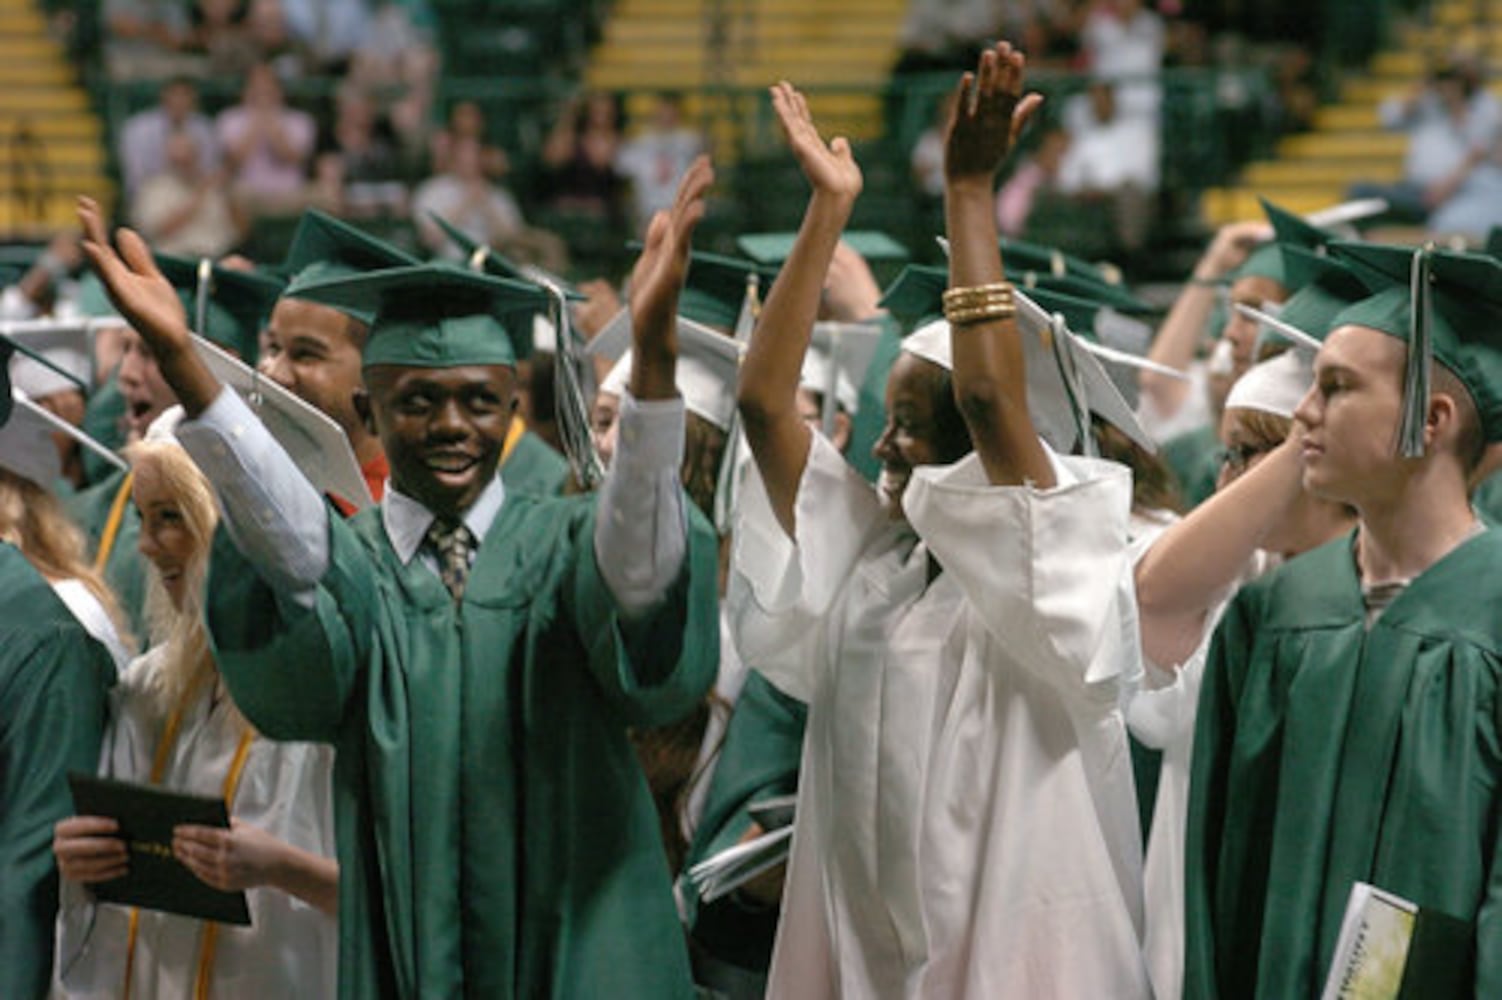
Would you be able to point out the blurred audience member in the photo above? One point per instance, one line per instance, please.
(467, 123)
(580, 157)
(927, 160)
(655, 159)
(1453, 125)
(484, 211)
(146, 39)
(266, 145)
(330, 29)
(143, 139)
(945, 34)
(1113, 158)
(1034, 175)
(186, 210)
(1124, 42)
(397, 54)
(358, 169)
(221, 32)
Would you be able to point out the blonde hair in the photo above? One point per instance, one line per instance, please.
(180, 633)
(33, 521)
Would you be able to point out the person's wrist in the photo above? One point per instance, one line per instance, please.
(969, 186)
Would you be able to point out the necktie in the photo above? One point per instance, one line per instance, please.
(453, 543)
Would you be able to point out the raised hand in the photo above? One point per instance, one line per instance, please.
(989, 113)
(130, 276)
(656, 282)
(89, 849)
(829, 168)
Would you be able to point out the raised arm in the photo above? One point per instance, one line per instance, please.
(1179, 336)
(1195, 561)
(768, 391)
(990, 380)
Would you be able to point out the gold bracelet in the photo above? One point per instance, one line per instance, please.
(980, 314)
(977, 295)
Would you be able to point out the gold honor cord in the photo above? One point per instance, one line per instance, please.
(210, 937)
(112, 525)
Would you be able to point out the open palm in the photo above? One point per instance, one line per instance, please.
(989, 115)
(137, 288)
(830, 167)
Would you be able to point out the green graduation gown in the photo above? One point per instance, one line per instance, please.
(534, 468)
(125, 570)
(53, 684)
(1327, 754)
(495, 834)
(760, 758)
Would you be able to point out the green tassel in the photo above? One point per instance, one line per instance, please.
(1420, 358)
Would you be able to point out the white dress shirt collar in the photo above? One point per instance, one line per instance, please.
(407, 521)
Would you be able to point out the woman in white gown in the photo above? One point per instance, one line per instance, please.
(965, 819)
(173, 724)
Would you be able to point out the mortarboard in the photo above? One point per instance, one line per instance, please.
(26, 447)
(708, 364)
(1445, 306)
(1266, 261)
(1065, 382)
(774, 248)
(718, 288)
(1290, 230)
(836, 362)
(227, 306)
(1020, 255)
(433, 315)
(1494, 242)
(324, 248)
(1114, 339)
(66, 345)
(1325, 287)
(311, 437)
(1274, 386)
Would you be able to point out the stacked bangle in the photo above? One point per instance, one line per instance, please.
(979, 304)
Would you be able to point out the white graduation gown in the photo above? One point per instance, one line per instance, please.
(966, 818)
(1161, 715)
(291, 948)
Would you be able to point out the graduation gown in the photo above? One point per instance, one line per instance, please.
(125, 569)
(1327, 754)
(966, 823)
(495, 834)
(53, 684)
(534, 468)
(290, 947)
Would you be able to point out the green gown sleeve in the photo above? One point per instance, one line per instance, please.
(655, 668)
(290, 669)
(52, 708)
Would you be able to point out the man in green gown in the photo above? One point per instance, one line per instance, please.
(1348, 728)
(475, 656)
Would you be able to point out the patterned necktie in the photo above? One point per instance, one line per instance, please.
(453, 543)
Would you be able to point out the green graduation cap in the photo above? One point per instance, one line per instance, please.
(1114, 296)
(433, 315)
(1266, 261)
(479, 257)
(1326, 286)
(774, 248)
(1494, 242)
(324, 248)
(1021, 255)
(1445, 306)
(916, 295)
(1290, 230)
(715, 291)
(225, 306)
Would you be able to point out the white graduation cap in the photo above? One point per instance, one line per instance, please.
(708, 364)
(1065, 381)
(26, 446)
(315, 442)
(65, 345)
(1274, 386)
(835, 366)
(1347, 213)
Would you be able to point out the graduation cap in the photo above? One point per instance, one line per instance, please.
(1113, 338)
(719, 290)
(708, 364)
(1065, 382)
(1266, 261)
(1444, 306)
(1274, 386)
(324, 248)
(66, 346)
(9, 349)
(1326, 286)
(433, 315)
(835, 365)
(315, 442)
(1021, 255)
(1290, 230)
(774, 248)
(480, 257)
(1494, 242)
(226, 305)
(26, 447)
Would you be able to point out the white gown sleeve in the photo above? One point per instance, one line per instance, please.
(640, 533)
(1047, 572)
(273, 514)
(781, 588)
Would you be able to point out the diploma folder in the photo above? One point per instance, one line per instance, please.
(156, 879)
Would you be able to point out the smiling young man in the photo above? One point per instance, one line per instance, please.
(1348, 726)
(474, 655)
